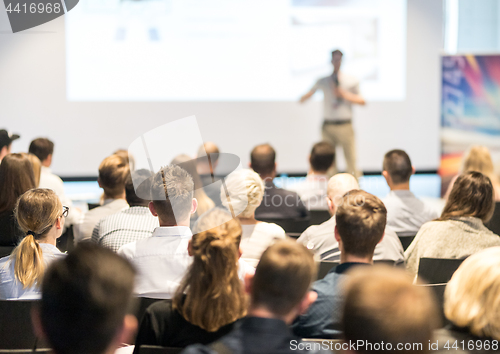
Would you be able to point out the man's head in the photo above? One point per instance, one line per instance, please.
(360, 224)
(42, 148)
(338, 186)
(208, 157)
(322, 157)
(263, 161)
(172, 196)
(113, 173)
(397, 169)
(85, 300)
(337, 59)
(134, 194)
(6, 140)
(383, 305)
(282, 280)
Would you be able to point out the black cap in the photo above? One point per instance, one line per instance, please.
(6, 138)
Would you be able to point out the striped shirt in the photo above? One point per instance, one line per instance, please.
(127, 226)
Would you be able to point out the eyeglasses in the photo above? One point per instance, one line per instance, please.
(65, 211)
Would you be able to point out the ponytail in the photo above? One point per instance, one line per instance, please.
(28, 261)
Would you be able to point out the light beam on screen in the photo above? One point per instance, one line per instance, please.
(226, 50)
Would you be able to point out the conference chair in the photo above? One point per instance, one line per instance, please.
(290, 225)
(144, 303)
(5, 251)
(294, 235)
(437, 270)
(319, 216)
(406, 238)
(16, 331)
(494, 223)
(153, 349)
(438, 290)
(324, 267)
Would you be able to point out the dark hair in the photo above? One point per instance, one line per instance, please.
(471, 195)
(397, 163)
(85, 297)
(172, 193)
(337, 51)
(142, 180)
(361, 220)
(16, 177)
(382, 305)
(283, 277)
(262, 159)
(322, 156)
(41, 148)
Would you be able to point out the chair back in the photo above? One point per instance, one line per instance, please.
(406, 238)
(438, 290)
(144, 303)
(324, 267)
(437, 270)
(319, 216)
(6, 251)
(153, 349)
(290, 225)
(494, 223)
(16, 331)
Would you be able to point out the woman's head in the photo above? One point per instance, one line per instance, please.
(471, 195)
(472, 296)
(478, 159)
(16, 177)
(36, 165)
(38, 211)
(246, 190)
(214, 292)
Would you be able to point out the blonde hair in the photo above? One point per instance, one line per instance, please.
(36, 212)
(214, 292)
(245, 192)
(36, 165)
(113, 173)
(472, 296)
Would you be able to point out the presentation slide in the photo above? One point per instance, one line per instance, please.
(231, 50)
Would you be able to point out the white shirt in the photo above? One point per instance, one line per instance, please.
(335, 108)
(312, 192)
(256, 238)
(407, 213)
(83, 229)
(11, 288)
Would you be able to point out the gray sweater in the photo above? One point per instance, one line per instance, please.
(455, 238)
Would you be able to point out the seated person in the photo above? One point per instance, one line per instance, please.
(86, 301)
(211, 297)
(383, 306)
(6, 140)
(312, 191)
(162, 259)
(360, 224)
(206, 163)
(113, 173)
(133, 223)
(279, 291)
(460, 230)
(471, 304)
(405, 212)
(16, 177)
(321, 239)
(40, 216)
(278, 203)
(245, 191)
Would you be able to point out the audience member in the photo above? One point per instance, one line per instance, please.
(86, 298)
(37, 167)
(211, 296)
(471, 303)
(113, 173)
(16, 177)
(405, 212)
(313, 190)
(478, 158)
(245, 191)
(133, 223)
(278, 203)
(385, 312)
(162, 259)
(206, 163)
(360, 224)
(279, 291)
(204, 202)
(40, 215)
(460, 230)
(6, 140)
(321, 239)
(129, 158)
